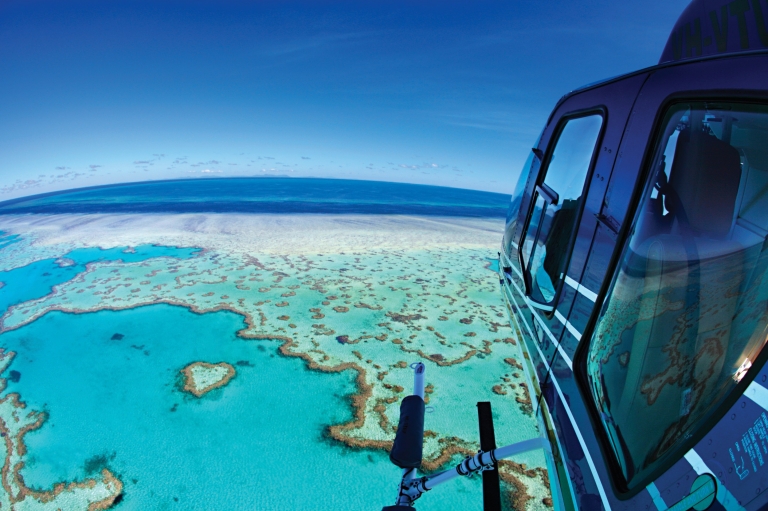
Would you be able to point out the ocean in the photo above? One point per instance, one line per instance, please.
(266, 195)
(312, 291)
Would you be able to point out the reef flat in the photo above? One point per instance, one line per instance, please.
(363, 294)
(202, 377)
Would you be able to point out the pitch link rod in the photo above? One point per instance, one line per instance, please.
(412, 489)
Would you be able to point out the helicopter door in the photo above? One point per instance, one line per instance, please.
(679, 332)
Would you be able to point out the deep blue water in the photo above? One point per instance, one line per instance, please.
(266, 195)
(38, 279)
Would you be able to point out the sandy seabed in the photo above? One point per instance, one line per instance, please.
(267, 234)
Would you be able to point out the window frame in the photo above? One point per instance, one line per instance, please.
(539, 185)
(644, 176)
(510, 241)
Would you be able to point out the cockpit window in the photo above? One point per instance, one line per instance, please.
(557, 205)
(687, 312)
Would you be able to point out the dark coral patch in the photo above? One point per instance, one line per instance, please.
(404, 318)
(97, 462)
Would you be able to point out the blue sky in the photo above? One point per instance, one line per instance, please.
(445, 93)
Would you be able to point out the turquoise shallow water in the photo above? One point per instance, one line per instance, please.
(36, 280)
(257, 443)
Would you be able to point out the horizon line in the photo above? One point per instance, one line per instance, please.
(9, 202)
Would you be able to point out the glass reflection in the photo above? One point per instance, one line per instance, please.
(687, 313)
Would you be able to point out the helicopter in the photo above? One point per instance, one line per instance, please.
(634, 267)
